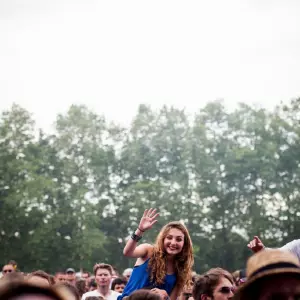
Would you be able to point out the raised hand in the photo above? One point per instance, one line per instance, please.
(256, 245)
(162, 293)
(148, 219)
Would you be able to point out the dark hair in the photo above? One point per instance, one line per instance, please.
(15, 289)
(119, 280)
(92, 283)
(13, 263)
(80, 285)
(103, 266)
(86, 272)
(94, 298)
(143, 295)
(60, 272)
(205, 284)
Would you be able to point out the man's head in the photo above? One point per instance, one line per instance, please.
(71, 275)
(7, 269)
(127, 273)
(60, 277)
(85, 274)
(118, 284)
(271, 274)
(103, 274)
(216, 284)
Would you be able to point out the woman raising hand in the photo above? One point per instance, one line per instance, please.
(164, 267)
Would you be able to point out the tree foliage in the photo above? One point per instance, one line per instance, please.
(72, 198)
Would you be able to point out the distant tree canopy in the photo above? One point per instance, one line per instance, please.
(73, 197)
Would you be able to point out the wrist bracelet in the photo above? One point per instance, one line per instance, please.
(135, 237)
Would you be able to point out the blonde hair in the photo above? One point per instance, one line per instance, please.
(183, 262)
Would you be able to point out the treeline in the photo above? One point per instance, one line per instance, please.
(71, 198)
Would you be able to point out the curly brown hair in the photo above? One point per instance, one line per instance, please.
(183, 262)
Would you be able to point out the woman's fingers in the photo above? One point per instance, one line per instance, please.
(151, 213)
(145, 213)
(155, 216)
(153, 222)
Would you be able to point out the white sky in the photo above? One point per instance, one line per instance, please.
(113, 55)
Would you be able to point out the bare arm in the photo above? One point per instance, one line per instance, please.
(175, 293)
(147, 221)
(132, 249)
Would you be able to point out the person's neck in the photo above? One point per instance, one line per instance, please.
(170, 259)
(104, 290)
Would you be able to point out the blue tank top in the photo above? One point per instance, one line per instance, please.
(140, 278)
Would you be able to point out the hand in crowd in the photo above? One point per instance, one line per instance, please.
(148, 219)
(256, 245)
(162, 293)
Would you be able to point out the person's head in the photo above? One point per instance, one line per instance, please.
(13, 263)
(60, 277)
(127, 273)
(70, 275)
(115, 273)
(239, 277)
(94, 298)
(103, 274)
(271, 274)
(216, 284)
(85, 274)
(118, 284)
(80, 286)
(39, 278)
(172, 243)
(67, 289)
(7, 269)
(26, 291)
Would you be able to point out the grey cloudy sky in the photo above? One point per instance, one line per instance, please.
(113, 55)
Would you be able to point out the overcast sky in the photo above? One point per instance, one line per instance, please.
(114, 55)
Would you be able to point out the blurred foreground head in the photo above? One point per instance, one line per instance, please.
(143, 294)
(271, 274)
(39, 278)
(27, 291)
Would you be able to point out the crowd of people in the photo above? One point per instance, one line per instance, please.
(164, 271)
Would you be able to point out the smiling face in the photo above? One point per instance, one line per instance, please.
(174, 241)
(103, 277)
